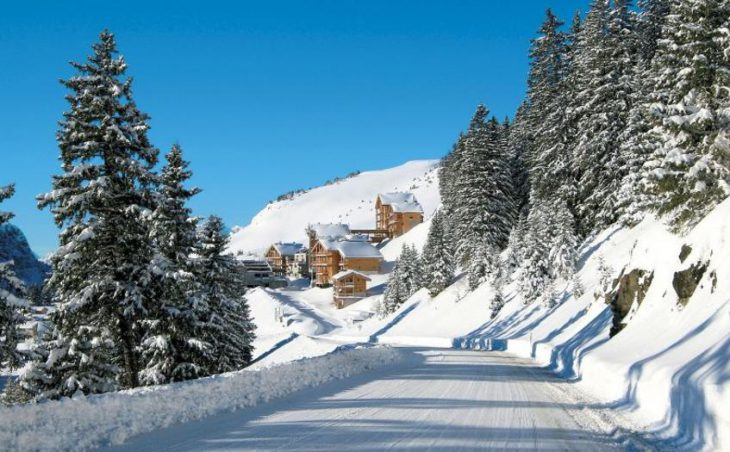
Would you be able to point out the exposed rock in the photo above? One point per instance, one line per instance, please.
(628, 288)
(685, 282)
(684, 252)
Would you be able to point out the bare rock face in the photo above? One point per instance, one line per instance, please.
(686, 281)
(628, 289)
(684, 252)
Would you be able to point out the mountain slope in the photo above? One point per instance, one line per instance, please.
(350, 201)
(14, 246)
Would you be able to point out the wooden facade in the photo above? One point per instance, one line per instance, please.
(349, 287)
(328, 259)
(397, 218)
(276, 261)
(324, 263)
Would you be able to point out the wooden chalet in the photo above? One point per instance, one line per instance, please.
(279, 255)
(397, 213)
(349, 286)
(330, 257)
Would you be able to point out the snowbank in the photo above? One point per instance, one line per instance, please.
(87, 422)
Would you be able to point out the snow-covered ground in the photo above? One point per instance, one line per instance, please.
(350, 201)
(437, 400)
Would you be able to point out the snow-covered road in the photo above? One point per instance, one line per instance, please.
(438, 400)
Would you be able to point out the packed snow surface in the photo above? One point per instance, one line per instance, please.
(437, 400)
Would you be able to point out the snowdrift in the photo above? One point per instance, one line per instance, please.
(86, 422)
(350, 201)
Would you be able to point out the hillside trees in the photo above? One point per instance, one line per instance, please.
(438, 258)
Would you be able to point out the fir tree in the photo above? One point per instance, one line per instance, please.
(482, 265)
(396, 292)
(12, 293)
(172, 348)
(228, 329)
(688, 174)
(497, 301)
(438, 260)
(102, 270)
(564, 244)
(534, 275)
(410, 270)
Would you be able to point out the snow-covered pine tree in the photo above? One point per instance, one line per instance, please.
(606, 52)
(516, 246)
(410, 271)
(229, 329)
(12, 301)
(518, 145)
(173, 349)
(534, 276)
(563, 242)
(497, 301)
(652, 18)
(438, 259)
(483, 189)
(483, 263)
(102, 271)
(396, 292)
(688, 173)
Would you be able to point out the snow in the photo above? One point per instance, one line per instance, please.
(85, 422)
(344, 273)
(331, 230)
(350, 201)
(352, 248)
(435, 400)
(403, 202)
(288, 249)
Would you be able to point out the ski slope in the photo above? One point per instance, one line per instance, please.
(350, 201)
(436, 400)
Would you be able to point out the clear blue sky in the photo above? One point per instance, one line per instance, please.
(266, 96)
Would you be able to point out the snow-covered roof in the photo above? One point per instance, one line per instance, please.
(352, 248)
(332, 230)
(288, 249)
(344, 273)
(401, 202)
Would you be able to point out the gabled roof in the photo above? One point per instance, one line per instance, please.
(352, 248)
(288, 249)
(345, 273)
(402, 202)
(331, 230)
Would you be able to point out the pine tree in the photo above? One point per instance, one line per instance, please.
(102, 270)
(606, 52)
(518, 146)
(172, 349)
(410, 271)
(483, 263)
(229, 329)
(534, 276)
(438, 260)
(497, 301)
(563, 242)
(12, 294)
(396, 292)
(688, 174)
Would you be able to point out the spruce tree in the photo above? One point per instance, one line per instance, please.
(534, 275)
(438, 260)
(172, 349)
(483, 263)
(687, 173)
(410, 271)
(563, 242)
(102, 271)
(396, 292)
(228, 328)
(12, 294)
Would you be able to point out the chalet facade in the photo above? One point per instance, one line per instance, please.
(257, 273)
(397, 213)
(330, 257)
(280, 255)
(350, 286)
(298, 267)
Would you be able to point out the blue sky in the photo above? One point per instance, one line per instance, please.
(266, 96)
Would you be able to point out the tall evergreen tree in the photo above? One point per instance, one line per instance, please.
(12, 294)
(438, 258)
(688, 174)
(563, 242)
(102, 270)
(172, 349)
(396, 292)
(229, 329)
(534, 276)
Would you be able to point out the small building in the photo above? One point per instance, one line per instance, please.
(330, 257)
(397, 213)
(279, 255)
(258, 273)
(298, 267)
(349, 286)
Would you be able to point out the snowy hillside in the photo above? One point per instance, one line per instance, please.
(350, 201)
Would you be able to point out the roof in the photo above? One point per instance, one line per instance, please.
(288, 249)
(352, 248)
(344, 273)
(401, 202)
(332, 230)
